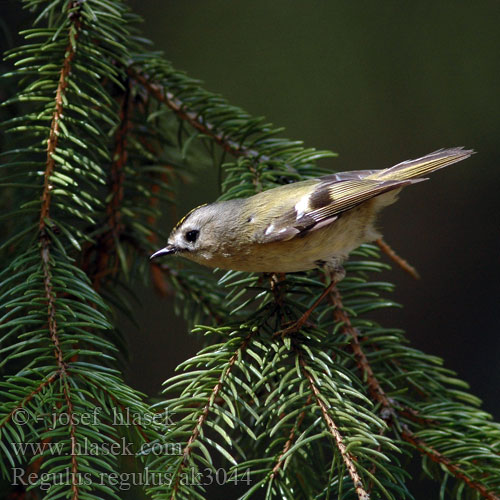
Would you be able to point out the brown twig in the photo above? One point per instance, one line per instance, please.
(72, 433)
(105, 245)
(291, 438)
(295, 326)
(439, 458)
(376, 391)
(402, 263)
(389, 412)
(47, 187)
(347, 458)
(45, 243)
(56, 119)
(198, 123)
(193, 118)
(29, 397)
(204, 414)
(340, 316)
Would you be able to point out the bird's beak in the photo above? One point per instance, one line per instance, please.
(168, 250)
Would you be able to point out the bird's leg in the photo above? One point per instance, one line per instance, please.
(276, 279)
(402, 263)
(337, 274)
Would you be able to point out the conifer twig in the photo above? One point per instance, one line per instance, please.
(136, 423)
(402, 263)
(237, 148)
(105, 245)
(196, 120)
(193, 118)
(29, 397)
(45, 244)
(340, 316)
(204, 414)
(291, 438)
(390, 413)
(334, 431)
(452, 468)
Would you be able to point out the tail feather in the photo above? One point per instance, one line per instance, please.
(411, 169)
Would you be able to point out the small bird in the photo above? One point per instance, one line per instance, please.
(299, 226)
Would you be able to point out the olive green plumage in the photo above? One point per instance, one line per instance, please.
(299, 226)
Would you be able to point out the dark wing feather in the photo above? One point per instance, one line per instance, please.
(340, 196)
(324, 204)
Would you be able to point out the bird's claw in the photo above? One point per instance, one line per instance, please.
(293, 327)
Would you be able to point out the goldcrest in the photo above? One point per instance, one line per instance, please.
(298, 226)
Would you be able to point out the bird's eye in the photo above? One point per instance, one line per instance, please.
(191, 236)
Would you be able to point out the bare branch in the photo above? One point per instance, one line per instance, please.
(402, 263)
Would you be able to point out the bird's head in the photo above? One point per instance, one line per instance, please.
(198, 236)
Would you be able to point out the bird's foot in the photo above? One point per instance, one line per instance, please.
(295, 326)
(291, 327)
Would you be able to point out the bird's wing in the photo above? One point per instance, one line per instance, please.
(337, 193)
(324, 204)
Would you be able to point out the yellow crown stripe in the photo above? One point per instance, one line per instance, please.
(179, 224)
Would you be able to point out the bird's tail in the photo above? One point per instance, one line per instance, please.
(411, 169)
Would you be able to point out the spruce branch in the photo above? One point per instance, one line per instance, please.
(196, 120)
(55, 359)
(347, 458)
(26, 399)
(342, 318)
(454, 469)
(391, 412)
(248, 140)
(195, 434)
(144, 432)
(298, 422)
(45, 244)
(72, 431)
(55, 126)
(106, 242)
